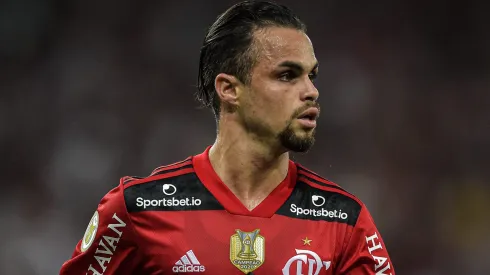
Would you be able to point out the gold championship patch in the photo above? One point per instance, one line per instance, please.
(247, 250)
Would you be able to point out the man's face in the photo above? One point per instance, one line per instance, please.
(280, 104)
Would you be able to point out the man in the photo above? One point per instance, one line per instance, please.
(241, 206)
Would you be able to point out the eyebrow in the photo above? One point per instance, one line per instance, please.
(296, 66)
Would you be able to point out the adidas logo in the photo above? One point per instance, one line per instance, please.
(188, 263)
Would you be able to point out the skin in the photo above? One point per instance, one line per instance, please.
(259, 122)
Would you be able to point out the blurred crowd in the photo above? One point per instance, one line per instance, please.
(94, 90)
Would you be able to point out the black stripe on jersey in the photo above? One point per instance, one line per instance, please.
(308, 171)
(317, 181)
(321, 182)
(170, 165)
(309, 203)
(173, 169)
(131, 178)
(180, 193)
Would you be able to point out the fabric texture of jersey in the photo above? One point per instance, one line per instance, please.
(184, 219)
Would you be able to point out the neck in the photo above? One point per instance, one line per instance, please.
(248, 166)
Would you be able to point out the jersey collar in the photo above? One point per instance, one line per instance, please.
(230, 202)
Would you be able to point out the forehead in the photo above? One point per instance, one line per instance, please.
(277, 44)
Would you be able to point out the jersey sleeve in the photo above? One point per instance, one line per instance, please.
(109, 243)
(365, 252)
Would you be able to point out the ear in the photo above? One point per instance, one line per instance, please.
(227, 89)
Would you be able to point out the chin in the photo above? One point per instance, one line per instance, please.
(300, 147)
(298, 141)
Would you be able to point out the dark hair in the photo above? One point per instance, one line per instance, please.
(227, 47)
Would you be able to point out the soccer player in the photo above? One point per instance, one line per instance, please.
(241, 206)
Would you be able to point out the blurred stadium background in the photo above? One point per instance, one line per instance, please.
(94, 90)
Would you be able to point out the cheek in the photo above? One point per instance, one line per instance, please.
(269, 113)
(272, 103)
(280, 111)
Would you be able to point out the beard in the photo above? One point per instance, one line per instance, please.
(291, 140)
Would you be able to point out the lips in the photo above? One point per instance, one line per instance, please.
(310, 114)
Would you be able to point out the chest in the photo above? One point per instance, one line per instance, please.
(216, 242)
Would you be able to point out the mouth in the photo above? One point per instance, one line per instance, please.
(310, 114)
(308, 118)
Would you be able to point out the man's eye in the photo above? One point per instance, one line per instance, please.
(312, 76)
(286, 76)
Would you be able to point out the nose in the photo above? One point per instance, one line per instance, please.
(310, 92)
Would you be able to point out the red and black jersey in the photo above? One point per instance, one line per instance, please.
(184, 219)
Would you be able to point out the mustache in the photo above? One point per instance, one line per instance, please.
(307, 106)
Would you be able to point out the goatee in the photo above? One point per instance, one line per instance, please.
(290, 140)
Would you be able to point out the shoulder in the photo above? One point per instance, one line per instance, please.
(117, 197)
(163, 180)
(316, 181)
(173, 187)
(316, 198)
(166, 171)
